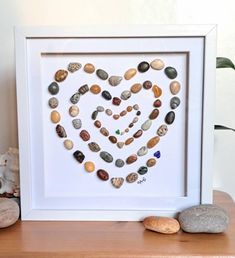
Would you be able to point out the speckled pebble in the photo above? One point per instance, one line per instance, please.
(84, 134)
(126, 94)
(53, 88)
(93, 146)
(75, 98)
(104, 131)
(79, 156)
(142, 151)
(132, 177)
(119, 163)
(77, 123)
(162, 130)
(102, 174)
(142, 170)
(53, 102)
(117, 182)
(83, 89)
(61, 75)
(73, 67)
(151, 162)
(131, 159)
(103, 75)
(106, 156)
(147, 85)
(61, 131)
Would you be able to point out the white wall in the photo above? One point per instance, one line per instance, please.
(82, 12)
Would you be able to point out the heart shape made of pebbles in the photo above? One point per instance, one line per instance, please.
(125, 95)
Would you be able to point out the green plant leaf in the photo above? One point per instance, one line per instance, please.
(223, 62)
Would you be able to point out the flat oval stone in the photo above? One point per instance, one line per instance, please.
(151, 162)
(97, 124)
(154, 114)
(130, 73)
(85, 135)
(79, 156)
(95, 89)
(142, 151)
(53, 102)
(162, 225)
(131, 125)
(157, 91)
(135, 119)
(135, 88)
(9, 212)
(205, 218)
(175, 87)
(100, 109)
(126, 130)
(175, 102)
(126, 94)
(147, 85)
(106, 156)
(170, 117)
(170, 72)
(157, 103)
(61, 131)
(83, 89)
(61, 75)
(73, 110)
(153, 142)
(77, 123)
(102, 74)
(113, 139)
(75, 98)
(123, 113)
(138, 133)
(132, 177)
(143, 67)
(89, 166)
(138, 113)
(119, 163)
(115, 80)
(102, 174)
(53, 88)
(116, 101)
(157, 64)
(157, 154)
(89, 68)
(55, 117)
(94, 115)
(146, 125)
(117, 182)
(162, 130)
(109, 112)
(73, 67)
(93, 146)
(116, 116)
(129, 141)
(131, 159)
(129, 108)
(104, 131)
(120, 144)
(68, 144)
(142, 170)
(106, 95)
(136, 107)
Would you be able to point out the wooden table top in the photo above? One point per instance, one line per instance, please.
(114, 239)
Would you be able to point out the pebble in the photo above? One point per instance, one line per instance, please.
(97, 124)
(94, 115)
(136, 107)
(126, 94)
(113, 139)
(135, 119)
(120, 144)
(79, 156)
(157, 154)
(138, 133)
(205, 218)
(135, 88)
(132, 177)
(162, 130)
(106, 95)
(73, 110)
(116, 101)
(154, 114)
(116, 116)
(157, 64)
(130, 73)
(95, 89)
(138, 113)
(75, 98)
(170, 117)
(175, 87)
(118, 132)
(102, 74)
(129, 108)
(123, 113)
(115, 80)
(89, 68)
(153, 142)
(102, 174)
(104, 131)
(157, 91)
(9, 212)
(53, 102)
(89, 166)
(129, 141)
(106, 156)
(146, 125)
(131, 125)
(162, 225)
(61, 131)
(100, 109)
(142, 151)
(73, 67)
(53, 88)
(61, 75)
(174, 102)
(55, 117)
(147, 85)
(93, 146)
(131, 159)
(151, 162)
(83, 89)
(157, 103)
(68, 144)
(143, 67)
(142, 170)
(85, 135)
(119, 163)
(109, 112)
(117, 181)
(127, 130)
(170, 72)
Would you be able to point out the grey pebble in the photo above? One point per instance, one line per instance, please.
(73, 67)
(142, 151)
(142, 170)
(77, 123)
(75, 98)
(146, 125)
(174, 102)
(126, 94)
(106, 156)
(53, 102)
(100, 109)
(119, 163)
(93, 146)
(102, 74)
(53, 88)
(108, 112)
(136, 107)
(115, 80)
(135, 120)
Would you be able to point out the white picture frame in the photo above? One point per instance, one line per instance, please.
(36, 50)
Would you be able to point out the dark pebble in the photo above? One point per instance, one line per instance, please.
(79, 156)
(94, 114)
(112, 139)
(116, 101)
(102, 74)
(53, 88)
(143, 67)
(138, 134)
(138, 113)
(106, 156)
(93, 146)
(61, 131)
(102, 174)
(131, 159)
(170, 72)
(175, 102)
(85, 135)
(130, 125)
(142, 170)
(75, 98)
(157, 103)
(106, 95)
(83, 89)
(97, 124)
(170, 117)
(147, 85)
(154, 114)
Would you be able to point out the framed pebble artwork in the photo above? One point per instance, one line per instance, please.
(114, 124)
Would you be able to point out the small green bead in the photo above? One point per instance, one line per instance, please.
(118, 131)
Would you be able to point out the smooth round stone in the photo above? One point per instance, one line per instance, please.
(129, 141)
(97, 124)
(175, 102)
(130, 73)
(123, 113)
(162, 225)
(73, 110)
(116, 116)
(116, 101)
(136, 107)
(135, 120)
(131, 125)
(100, 109)
(157, 64)
(157, 91)
(153, 142)
(135, 88)
(132, 177)
(53, 88)
(93, 146)
(138, 133)
(120, 145)
(131, 159)
(95, 89)
(89, 166)
(142, 151)
(162, 130)
(83, 89)
(61, 75)
(126, 94)
(113, 139)
(61, 131)
(9, 212)
(79, 156)
(154, 114)
(143, 67)
(117, 182)
(126, 130)
(55, 117)
(109, 112)
(175, 87)
(104, 131)
(157, 103)
(89, 68)
(170, 72)
(53, 102)
(142, 170)
(75, 98)
(146, 125)
(102, 174)
(106, 95)
(106, 156)
(147, 85)
(94, 115)
(151, 162)
(119, 163)
(68, 144)
(129, 108)
(170, 117)
(157, 154)
(205, 218)
(115, 80)
(85, 135)
(102, 74)
(138, 113)
(73, 67)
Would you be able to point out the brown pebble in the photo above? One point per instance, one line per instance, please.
(55, 117)
(61, 131)
(116, 116)
(89, 68)
(61, 75)
(129, 108)
(127, 130)
(85, 135)
(154, 114)
(95, 89)
(157, 91)
(131, 125)
(132, 177)
(130, 73)
(147, 85)
(135, 88)
(175, 87)
(157, 103)
(102, 174)
(123, 113)
(151, 162)
(153, 141)
(116, 101)
(131, 159)
(129, 141)
(113, 139)
(138, 134)
(104, 131)
(97, 124)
